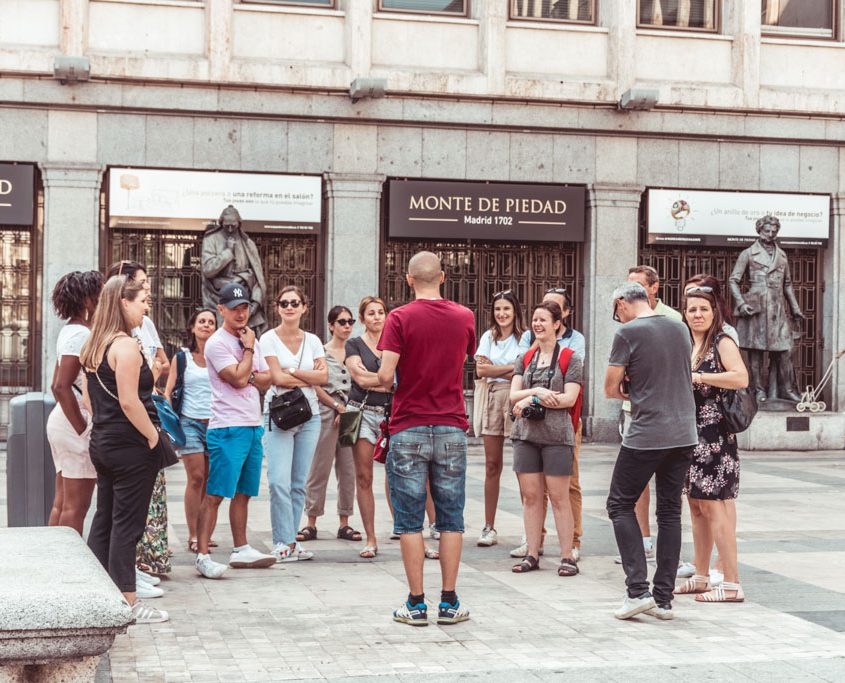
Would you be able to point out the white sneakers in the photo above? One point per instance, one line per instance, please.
(634, 606)
(148, 615)
(662, 613)
(282, 552)
(433, 533)
(146, 578)
(488, 537)
(145, 591)
(686, 570)
(248, 557)
(209, 568)
(522, 550)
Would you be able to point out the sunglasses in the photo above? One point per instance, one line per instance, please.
(501, 295)
(345, 322)
(293, 303)
(703, 289)
(556, 290)
(615, 314)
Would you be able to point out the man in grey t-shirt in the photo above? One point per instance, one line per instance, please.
(650, 365)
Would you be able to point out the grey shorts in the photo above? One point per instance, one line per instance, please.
(553, 460)
(370, 426)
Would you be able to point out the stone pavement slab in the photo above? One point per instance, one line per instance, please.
(330, 618)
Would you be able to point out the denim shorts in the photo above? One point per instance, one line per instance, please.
(234, 461)
(195, 434)
(437, 454)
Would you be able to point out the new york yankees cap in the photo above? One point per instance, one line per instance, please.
(234, 294)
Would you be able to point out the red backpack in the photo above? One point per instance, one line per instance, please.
(563, 362)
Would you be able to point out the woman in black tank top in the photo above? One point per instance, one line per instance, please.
(124, 436)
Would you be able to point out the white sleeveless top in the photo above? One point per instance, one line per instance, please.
(196, 399)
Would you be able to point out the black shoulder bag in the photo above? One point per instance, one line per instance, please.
(178, 392)
(738, 405)
(291, 408)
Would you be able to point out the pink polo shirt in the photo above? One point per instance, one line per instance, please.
(231, 407)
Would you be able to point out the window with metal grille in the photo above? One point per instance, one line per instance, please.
(172, 260)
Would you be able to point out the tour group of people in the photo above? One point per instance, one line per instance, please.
(393, 394)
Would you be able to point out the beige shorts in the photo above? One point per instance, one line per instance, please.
(70, 450)
(496, 420)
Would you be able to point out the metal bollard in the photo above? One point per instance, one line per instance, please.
(30, 474)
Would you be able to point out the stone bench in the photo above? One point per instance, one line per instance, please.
(59, 610)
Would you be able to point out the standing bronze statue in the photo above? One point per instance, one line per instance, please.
(229, 255)
(763, 312)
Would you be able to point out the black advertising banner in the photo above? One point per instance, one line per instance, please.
(486, 211)
(17, 194)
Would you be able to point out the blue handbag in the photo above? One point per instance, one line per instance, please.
(169, 421)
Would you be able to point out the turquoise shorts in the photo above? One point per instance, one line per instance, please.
(234, 461)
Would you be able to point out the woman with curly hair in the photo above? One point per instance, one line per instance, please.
(75, 297)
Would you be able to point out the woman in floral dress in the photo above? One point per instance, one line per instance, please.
(713, 479)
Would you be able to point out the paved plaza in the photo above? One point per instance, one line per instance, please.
(330, 618)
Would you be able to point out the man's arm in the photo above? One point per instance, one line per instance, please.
(613, 382)
(213, 262)
(387, 371)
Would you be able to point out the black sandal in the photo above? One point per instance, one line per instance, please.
(529, 564)
(347, 533)
(307, 533)
(567, 568)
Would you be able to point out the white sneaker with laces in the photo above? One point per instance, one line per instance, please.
(488, 537)
(662, 613)
(433, 533)
(146, 592)
(284, 553)
(250, 558)
(209, 568)
(148, 615)
(302, 553)
(716, 578)
(146, 578)
(522, 550)
(631, 607)
(686, 570)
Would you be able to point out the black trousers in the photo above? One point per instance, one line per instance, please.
(633, 470)
(126, 474)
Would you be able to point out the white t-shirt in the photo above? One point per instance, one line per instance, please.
(148, 335)
(501, 352)
(69, 343)
(311, 348)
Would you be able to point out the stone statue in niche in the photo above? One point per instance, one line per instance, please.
(229, 255)
(768, 317)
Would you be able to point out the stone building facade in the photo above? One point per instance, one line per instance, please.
(496, 94)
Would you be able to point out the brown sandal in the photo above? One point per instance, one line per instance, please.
(347, 533)
(308, 533)
(567, 567)
(529, 564)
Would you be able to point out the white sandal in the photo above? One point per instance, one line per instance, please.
(718, 594)
(691, 585)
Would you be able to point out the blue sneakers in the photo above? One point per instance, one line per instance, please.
(415, 615)
(451, 614)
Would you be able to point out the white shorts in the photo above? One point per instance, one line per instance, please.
(70, 450)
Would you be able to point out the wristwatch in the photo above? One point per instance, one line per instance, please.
(251, 379)
(335, 405)
(249, 348)
(292, 371)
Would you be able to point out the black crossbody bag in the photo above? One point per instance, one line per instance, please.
(290, 409)
(738, 405)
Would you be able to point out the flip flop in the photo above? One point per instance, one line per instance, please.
(347, 533)
(369, 552)
(308, 533)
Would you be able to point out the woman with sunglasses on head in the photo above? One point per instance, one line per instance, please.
(713, 477)
(296, 359)
(708, 281)
(333, 397)
(363, 360)
(153, 553)
(194, 410)
(75, 299)
(543, 434)
(494, 358)
(125, 438)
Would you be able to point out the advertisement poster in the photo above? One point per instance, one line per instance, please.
(728, 218)
(486, 211)
(189, 200)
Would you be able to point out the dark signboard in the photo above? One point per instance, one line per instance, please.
(486, 211)
(17, 194)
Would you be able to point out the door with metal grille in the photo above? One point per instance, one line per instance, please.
(676, 264)
(173, 259)
(475, 270)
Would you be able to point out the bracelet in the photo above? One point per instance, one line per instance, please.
(249, 348)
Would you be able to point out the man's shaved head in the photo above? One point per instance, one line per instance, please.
(425, 268)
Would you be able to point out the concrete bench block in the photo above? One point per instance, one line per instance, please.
(59, 610)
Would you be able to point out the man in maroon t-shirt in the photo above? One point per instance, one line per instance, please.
(424, 345)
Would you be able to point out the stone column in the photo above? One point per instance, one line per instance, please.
(833, 301)
(219, 36)
(620, 17)
(742, 19)
(73, 27)
(358, 35)
(493, 19)
(352, 239)
(71, 239)
(610, 249)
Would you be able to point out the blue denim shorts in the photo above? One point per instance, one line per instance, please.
(437, 454)
(234, 461)
(195, 435)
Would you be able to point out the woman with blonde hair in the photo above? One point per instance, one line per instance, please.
(126, 441)
(363, 360)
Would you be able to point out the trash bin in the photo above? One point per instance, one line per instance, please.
(30, 474)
